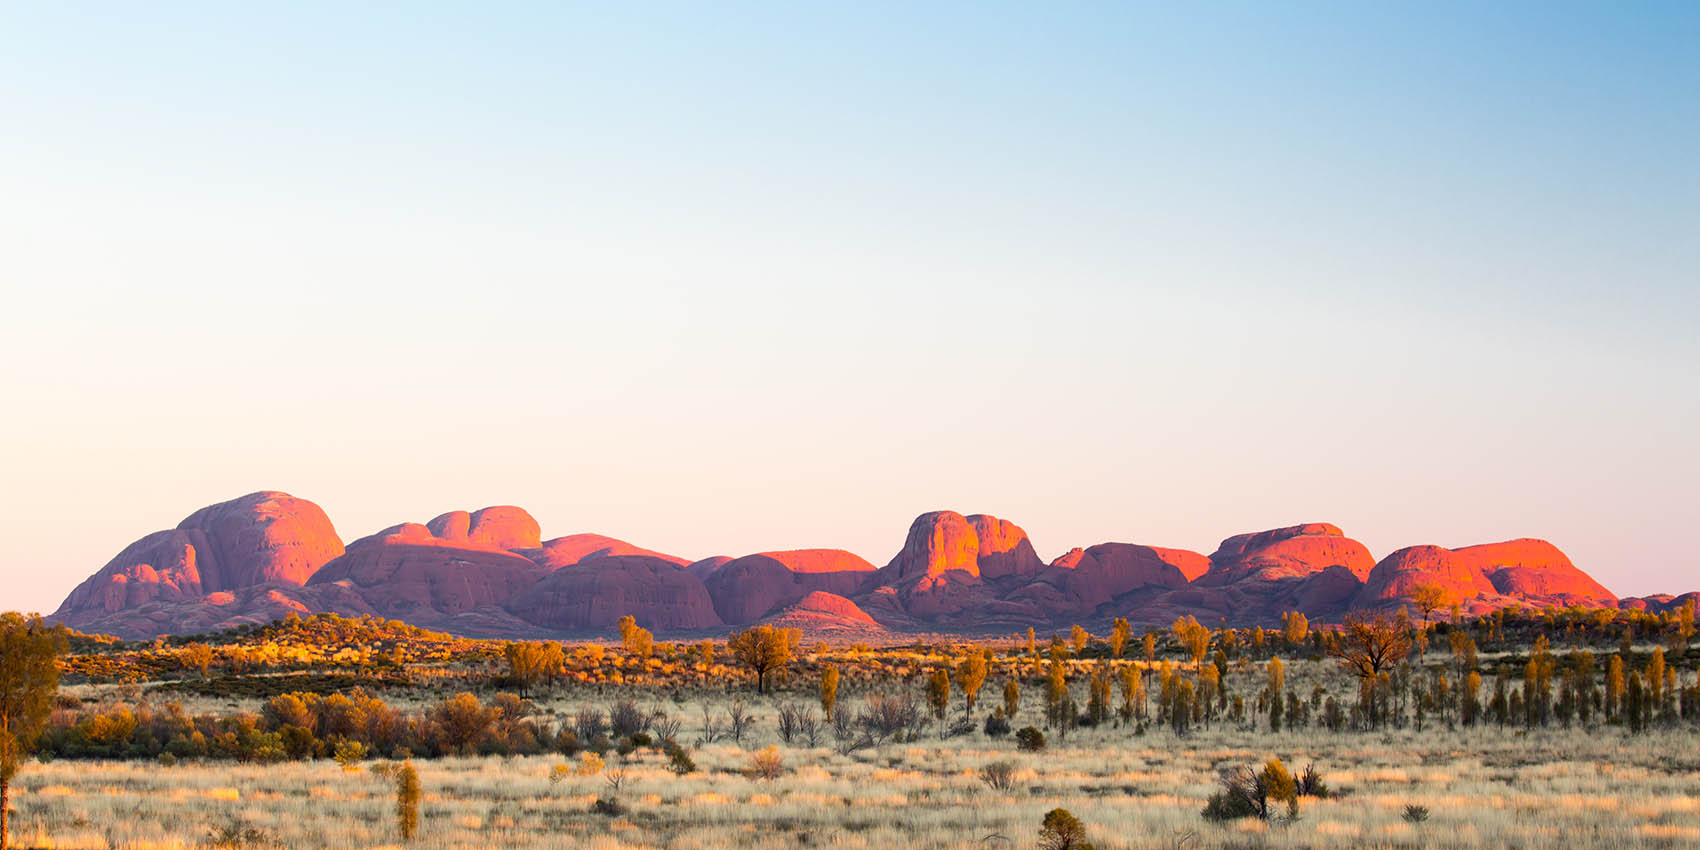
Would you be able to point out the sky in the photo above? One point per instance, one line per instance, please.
(722, 278)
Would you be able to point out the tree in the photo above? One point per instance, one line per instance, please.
(1011, 699)
(1062, 831)
(1056, 693)
(462, 721)
(636, 639)
(763, 649)
(969, 678)
(1369, 646)
(1684, 626)
(1120, 632)
(407, 795)
(1192, 637)
(29, 681)
(1295, 627)
(198, 657)
(938, 695)
(530, 662)
(828, 690)
(1078, 638)
(1428, 598)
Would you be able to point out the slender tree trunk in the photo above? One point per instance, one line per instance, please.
(5, 801)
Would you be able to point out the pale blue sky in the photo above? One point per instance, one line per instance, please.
(760, 276)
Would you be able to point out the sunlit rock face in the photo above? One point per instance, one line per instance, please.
(821, 612)
(410, 573)
(498, 527)
(593, 595)
(952, 565)
(261, 538)
(490, 572)
(1296, 551)
(573, 548)
(1484, 577)
(749, 588)
(1083, 580)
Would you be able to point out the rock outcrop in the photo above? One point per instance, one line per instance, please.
(1482, 578)
(749, 588)
(1537, 571)
(575, 548)
(499, 527)
(820, 612)
(1297, 551)
(261, 538)
(490, 573)
(1084, 580)
(593, 595)
(409, 573)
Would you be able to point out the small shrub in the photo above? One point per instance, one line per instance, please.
(1062, 831)
(1311, 785)
(608, 806)
(679, 760)
(236, 835)
(1415, 814)
(1247, 793)
(997, 725)
(589, 764)
(767, 764)
(1030, 739)
(567, 743)
(642, 739)
(167, 760)
(999, 775)
(407, 795)
(626, 747)
(1225, 806)
(349, 753)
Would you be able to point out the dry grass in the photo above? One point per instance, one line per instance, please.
(1487, 789)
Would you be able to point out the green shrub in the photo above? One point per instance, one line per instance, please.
(997, 725)
(1030, 739)
(679, 759)
(1062, 831)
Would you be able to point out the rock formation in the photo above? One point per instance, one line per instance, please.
(1482, 578)
(409, 573)
(593, 595)
(490, 573)
(751, 587)
(261, 538)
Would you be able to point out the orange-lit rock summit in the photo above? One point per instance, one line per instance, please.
(491, 572)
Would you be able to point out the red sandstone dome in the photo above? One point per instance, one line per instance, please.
(820, 612)
(748, 588)
(573, 548)
(409, 573)
(595, 594)
(1292, 552)
(499, 527)
(1484, 577)
(1082, 580)
(489, 573)
(261, 538)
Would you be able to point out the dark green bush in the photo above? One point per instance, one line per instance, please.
(1030, 739)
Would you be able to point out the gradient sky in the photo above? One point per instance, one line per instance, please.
(717, 278)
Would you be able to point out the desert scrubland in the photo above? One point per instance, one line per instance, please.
(1481, 733)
